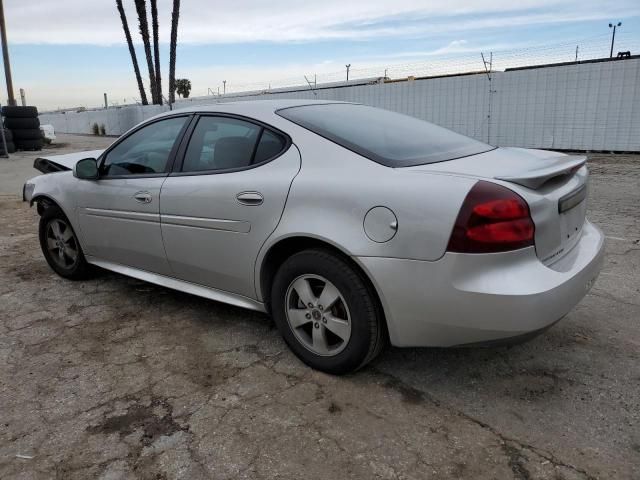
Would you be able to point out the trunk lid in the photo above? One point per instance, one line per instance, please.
(553, 184)
(59, 163)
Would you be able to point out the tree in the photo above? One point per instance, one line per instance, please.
(156, 48)
(132, 51)
(183, 87)
(172, 50)
(141, 8)
(153, 60)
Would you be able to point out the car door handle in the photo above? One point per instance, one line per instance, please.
(143, 197)
(250, 198)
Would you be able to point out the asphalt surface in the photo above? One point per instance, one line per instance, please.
(115, 378)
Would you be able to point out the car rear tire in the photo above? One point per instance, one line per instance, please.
(19, 112)
(60, 245)
(21, 123)
(345, 333)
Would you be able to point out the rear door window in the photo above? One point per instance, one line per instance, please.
(224, 143)
(270, 145)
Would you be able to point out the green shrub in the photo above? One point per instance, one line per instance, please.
(95, 129)
(103, 129)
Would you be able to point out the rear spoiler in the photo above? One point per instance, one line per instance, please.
(536, 178)
(45, 165)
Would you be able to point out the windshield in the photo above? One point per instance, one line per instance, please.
(386, 137)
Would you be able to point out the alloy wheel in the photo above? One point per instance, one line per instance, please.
(61, 243)
(318, 315)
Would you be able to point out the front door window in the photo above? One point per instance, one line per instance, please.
(144, 152)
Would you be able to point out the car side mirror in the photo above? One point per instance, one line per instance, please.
(86, 169)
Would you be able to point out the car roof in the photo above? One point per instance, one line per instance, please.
(263, 110)
(252, 106)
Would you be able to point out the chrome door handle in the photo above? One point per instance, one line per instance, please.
(143, 197)
(250, 198)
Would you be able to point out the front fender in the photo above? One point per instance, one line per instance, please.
(55, 188)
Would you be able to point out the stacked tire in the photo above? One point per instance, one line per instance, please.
(24, 125)
(11, 147)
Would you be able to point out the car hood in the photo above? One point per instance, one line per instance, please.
(58, 163)
(526, 167)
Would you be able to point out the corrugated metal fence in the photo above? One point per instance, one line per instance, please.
(584, 106)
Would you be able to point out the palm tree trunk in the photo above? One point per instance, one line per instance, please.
(172, 51)
(141, 8)
(132, 51)
(156, 48)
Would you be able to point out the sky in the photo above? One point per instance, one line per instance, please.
(67, 53)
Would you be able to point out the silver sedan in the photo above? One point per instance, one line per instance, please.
(352, 226)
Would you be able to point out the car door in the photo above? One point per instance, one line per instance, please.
(119, 214)
(224, 201)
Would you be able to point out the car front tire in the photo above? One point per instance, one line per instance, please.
(326, 312)
(60, 245)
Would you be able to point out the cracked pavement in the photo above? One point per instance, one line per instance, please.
(114, 378)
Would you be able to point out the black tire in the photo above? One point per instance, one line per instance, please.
(19, 112)
(367, 336)
(8, 135)
(21, 123)
(78, 269)
(28, 144)
(11, 148)
(27, 134)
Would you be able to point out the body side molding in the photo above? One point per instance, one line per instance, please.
(180, 285)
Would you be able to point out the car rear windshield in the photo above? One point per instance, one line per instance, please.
(386, 137)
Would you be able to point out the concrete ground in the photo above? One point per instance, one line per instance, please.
(115, 378)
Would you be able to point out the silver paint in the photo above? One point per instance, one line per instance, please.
(209, 234)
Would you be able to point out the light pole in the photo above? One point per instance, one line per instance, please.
(613, 37)
(5, 56)
(224, 87)
(348, 67)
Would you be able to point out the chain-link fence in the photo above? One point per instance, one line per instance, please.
(456, 59)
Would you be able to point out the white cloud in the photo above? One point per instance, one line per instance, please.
(96, 22)
(203, 21)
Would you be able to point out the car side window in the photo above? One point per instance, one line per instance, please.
(145, 151)
(269, 146)
(223, 143)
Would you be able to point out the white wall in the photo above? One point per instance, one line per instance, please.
(589, 106)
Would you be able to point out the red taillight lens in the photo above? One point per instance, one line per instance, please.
(492, 219)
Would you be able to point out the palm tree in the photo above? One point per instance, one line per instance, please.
(132, 51)
(172, 51)
(156, 48)
(141, 8)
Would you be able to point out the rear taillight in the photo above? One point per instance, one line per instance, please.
(492, 219)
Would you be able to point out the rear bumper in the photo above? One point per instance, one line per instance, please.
(467, 298)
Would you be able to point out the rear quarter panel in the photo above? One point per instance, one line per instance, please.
(335, 189)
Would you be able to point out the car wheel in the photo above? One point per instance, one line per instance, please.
(60, 245)
(326, 312)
